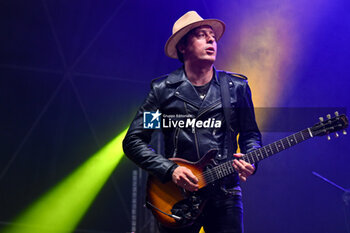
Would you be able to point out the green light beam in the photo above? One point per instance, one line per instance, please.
(61, 209)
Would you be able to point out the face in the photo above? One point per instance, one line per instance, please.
(201, 45)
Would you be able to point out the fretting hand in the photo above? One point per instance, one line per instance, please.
(243, 168)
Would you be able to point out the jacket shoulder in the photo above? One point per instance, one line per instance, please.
(159, 81)
(235, 77)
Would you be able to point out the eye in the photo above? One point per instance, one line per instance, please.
(200, 35)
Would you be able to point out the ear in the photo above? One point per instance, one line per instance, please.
(181, 48)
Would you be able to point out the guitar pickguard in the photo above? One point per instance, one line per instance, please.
(188, 209)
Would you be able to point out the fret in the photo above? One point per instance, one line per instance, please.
(306, 134)
(310, 132)
(210, 176)
(256, 155)
(262, 156)
(229, 171)
(230, 167)
(213, 174)
(216, 177)
(280, 145)
(224, 171)
(266, 151)
(220, 173)
(217, 173)
(288, 143)
(271, 149)
(295, 138)
(291, 140)
(276, 147)
(248, 159)
(283, 145)
(252, 159)
(227, 168)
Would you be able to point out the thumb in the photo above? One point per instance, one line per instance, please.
(238, 155)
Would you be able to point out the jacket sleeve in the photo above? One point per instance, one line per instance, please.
(135, 143)
(249, 134)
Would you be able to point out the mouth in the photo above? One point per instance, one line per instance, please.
(210, 49)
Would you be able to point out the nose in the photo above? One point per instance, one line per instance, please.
(210, 39)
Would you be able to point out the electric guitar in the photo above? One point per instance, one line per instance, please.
(175, 207)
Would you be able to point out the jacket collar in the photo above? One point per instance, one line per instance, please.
(179, 75)
(186, 91)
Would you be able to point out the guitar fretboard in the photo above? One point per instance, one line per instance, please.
(257, 155)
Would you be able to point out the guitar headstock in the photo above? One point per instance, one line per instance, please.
(330, 125)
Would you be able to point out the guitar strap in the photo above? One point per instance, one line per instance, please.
(226, 105)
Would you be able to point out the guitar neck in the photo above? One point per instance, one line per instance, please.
(257, 155)
(277, 146)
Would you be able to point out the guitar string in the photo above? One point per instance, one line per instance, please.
(220, 170)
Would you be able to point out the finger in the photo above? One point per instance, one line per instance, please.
(190, 188)
(191, 176)
(238, 155)
(239, 164)
(244, 170)
(247, 166)
(250, 168)
(236, 167)
(188, 185)
(243, 178)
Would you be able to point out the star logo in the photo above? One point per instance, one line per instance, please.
(156, 115)
(151, 120)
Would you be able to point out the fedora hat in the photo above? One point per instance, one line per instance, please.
(186, 23)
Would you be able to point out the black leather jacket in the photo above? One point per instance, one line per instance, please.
(174, 94)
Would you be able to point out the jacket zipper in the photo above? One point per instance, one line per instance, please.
(194, 128)
(196, 141)
(177, 131)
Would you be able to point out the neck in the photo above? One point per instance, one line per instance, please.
(199, 74)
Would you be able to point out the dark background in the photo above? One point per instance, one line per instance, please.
(72, 74)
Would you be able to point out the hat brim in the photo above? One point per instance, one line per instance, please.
(170, 47)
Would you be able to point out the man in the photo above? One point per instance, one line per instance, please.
(194, 90)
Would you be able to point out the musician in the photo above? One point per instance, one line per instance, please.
(194, 91)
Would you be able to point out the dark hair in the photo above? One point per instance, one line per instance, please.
(183, 41)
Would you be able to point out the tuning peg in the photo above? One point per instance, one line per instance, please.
(329, 116)
(336, 135)
(328, 137)
(321, 119)
(344, 132)
(336, 113)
